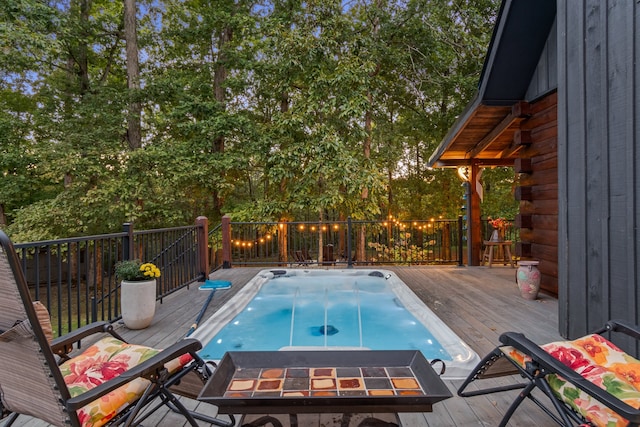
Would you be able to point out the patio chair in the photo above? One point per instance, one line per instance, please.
(299, 258)
(107, 382)
(307, 256)
(588, 381)
(327, 255)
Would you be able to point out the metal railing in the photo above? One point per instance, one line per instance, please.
(75, 277)
(511, 233)
(345, 243)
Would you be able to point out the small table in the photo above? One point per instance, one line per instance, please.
(504, 248)
(324, 381)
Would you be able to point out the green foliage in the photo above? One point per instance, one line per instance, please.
(499, 201)
(258, 110)
(135, 271)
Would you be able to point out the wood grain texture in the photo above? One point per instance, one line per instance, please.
(477, 303)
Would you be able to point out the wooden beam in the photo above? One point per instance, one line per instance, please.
(522, 166)
(485, 163)
(521, 139)
(473, 219)
(523, 193)
(523, 249)
(454, 163)
(519, 111)
(524, 221)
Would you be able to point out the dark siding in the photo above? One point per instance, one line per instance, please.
(545, 78)
(598, 176)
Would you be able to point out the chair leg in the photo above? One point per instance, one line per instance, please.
(508, 251)
(562, 418)
(171, 400)
(485, 255)
(11, 419)
(481, 369)
(559, 406)
(263, 421)
(206, 418)
(142, 402)
(514, 405)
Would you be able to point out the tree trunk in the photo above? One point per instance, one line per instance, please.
(320, 239)
(83, 61)
(366, 151)
(283, 247)
(3, 216)
(134, 133)
(219, 77)
(366, 144)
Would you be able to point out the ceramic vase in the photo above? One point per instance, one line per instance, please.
(138, 303)
(528, 279)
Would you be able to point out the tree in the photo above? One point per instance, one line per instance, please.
(134, 135)
(272, 110)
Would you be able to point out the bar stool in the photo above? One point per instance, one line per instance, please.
(503, 247)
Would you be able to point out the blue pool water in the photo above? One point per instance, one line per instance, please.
(288, 311)
(313, 309)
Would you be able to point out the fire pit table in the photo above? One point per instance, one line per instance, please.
(325, 381)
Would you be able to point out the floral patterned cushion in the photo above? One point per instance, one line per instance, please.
(101, 362)
(602, 363)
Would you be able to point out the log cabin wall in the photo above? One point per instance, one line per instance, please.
(537, 169)
(537, 179)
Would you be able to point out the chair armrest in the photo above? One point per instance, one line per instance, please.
(618, 325)
(149, 369)
(549, 364)
(64, 345)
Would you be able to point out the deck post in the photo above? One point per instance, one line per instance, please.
(202, 222)
(226, 241)
(127, 241)
(474, 242)
(349, 257)
(460, 242)
(470, 228)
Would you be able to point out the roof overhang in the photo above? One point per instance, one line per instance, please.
(488, 132)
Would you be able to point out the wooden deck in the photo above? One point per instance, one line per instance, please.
(478, 303)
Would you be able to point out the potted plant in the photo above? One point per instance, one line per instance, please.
(137, 292)
(499, 226)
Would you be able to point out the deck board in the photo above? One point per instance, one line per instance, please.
(477, 303)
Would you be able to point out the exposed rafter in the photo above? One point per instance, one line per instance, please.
(519, 111)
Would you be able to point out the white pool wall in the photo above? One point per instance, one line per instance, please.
(464, 359)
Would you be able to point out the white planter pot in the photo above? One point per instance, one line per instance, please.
(138, 303)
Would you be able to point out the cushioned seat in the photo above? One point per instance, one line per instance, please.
(587, 381)
(600, 362)
(110, 381)
(102, 362)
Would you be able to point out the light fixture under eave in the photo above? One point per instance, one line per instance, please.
(464, 173)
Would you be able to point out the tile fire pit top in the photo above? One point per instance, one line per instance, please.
(324, 381)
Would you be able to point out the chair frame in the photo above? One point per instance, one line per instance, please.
(61, 349)
(299, 258)
(535, 374)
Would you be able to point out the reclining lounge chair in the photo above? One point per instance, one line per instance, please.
(299, 258)
(588, 381)
(107, 382)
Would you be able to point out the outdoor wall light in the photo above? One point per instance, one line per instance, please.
(464, 173)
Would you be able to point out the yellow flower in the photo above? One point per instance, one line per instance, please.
(150, 270)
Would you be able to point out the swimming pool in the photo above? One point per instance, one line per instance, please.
(293, 309)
